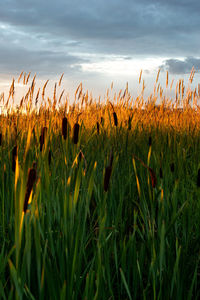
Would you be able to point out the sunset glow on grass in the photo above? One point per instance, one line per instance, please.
(99, 150)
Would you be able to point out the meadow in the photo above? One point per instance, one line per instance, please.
(100, 199)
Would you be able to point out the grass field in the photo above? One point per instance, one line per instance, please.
(100, 200)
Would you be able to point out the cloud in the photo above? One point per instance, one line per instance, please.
(47, 34)
(42, 62)
(177, 66)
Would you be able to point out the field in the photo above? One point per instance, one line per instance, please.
(100, 200)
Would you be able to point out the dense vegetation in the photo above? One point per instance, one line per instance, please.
(100, 201)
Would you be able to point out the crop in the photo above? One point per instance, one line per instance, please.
(100, 200)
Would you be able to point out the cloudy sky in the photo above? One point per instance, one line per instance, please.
(99, 41)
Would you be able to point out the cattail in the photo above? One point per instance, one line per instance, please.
(107, 178)
(97, 127)
(153, 177)
(172, 167)
(150, 141)
(49, 157)
(129, 123)
(0, 138)
(14, 156)
(42, 137)
(115, 118)
(198, 178)
(31, 180)
(76, 132)
(64, 127)
(161, 173)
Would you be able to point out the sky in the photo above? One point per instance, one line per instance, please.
(98, 42)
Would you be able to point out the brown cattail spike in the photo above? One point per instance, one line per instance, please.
(115, 119)
(161, 173)
(153, 178)
(129, 123)
(42, 137)
(198, 178)
(0, 138)
(31, 180)
(14, 156)
(49, 157)
(97, 127)
(64, 127)
(76, 132)
(172, 167)
(150, 141)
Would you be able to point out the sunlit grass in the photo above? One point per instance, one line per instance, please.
(100, 199)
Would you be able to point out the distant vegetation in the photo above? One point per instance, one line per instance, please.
(100, 200)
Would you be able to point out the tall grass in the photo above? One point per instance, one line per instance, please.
(100, 200)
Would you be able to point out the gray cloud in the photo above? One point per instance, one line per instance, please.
(176, 66)
(41, 34)
(42, 62)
